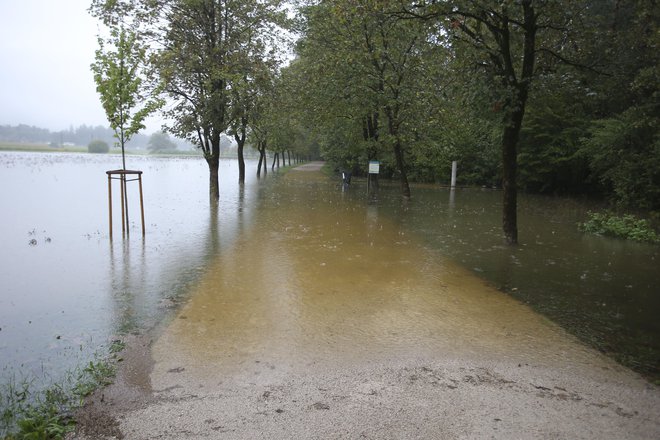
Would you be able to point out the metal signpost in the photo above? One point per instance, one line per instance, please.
(374, 168)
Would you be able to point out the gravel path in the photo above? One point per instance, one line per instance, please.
(310, 166)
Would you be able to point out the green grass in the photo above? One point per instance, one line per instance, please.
(47, 414)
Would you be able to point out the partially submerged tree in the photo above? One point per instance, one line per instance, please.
(204, 54)
(507, 44)
(207, 47)
(370, 70)
(245, 94)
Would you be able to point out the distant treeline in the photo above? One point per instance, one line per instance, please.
(81, 136)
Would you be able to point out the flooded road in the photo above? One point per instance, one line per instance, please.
(320, 277)
(293, 298)
(67, 290)
(326, 319)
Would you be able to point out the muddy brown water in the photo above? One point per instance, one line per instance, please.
(321, 278)
(295, 267)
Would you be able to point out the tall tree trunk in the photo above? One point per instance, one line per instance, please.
(240, 136)
(214, 187)
(213, 160)
(241, 163)
(509, 178)
(398, 154)
(265, 164)
(240, 143)
(393, 130)
(261, 147)
(272, 167)
(261, 159)
(370, 134)
(514, 117)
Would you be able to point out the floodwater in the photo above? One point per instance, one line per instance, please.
(605, 291)
(67, 290)
(294, 267)
(323, 275)
(323, 278)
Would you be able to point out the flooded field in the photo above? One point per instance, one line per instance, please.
(67, 290)
(367, 277)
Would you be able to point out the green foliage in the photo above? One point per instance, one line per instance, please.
(46, 415)
(371, 81)
(94, 375)
(624, 154)
(625, 226)
(460, 133)
(622, 143)
(119, 75)
(44, 423)
(26, 416)
(98, 146)
(117, 346)
(550, 161)
(368, 84)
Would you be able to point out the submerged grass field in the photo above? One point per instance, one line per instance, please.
(16, 146)
(45, 148)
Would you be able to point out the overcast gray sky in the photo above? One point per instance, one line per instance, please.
(46, 47)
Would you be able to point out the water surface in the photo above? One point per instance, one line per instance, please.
(67, 289)
(601, 289)
(299, 264)
(326, 278)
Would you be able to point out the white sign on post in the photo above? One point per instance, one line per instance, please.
(374, 167)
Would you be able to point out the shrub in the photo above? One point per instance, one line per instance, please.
(98, 146)
(626, 226)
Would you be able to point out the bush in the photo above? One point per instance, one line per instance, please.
(626, 226)
(98, 146)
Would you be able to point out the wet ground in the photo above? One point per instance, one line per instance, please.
(324, 319)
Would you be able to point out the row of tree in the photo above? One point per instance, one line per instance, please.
(81, 135)
(548, 96)
(551, 96)
(205, 63)
(85, 134)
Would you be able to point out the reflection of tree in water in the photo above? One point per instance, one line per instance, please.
(235, 216)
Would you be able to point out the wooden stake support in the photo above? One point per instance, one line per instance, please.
(124, 176)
